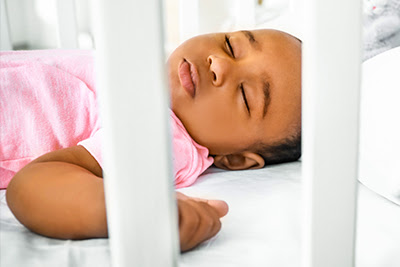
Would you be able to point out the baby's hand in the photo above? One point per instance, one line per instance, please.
(199, 219)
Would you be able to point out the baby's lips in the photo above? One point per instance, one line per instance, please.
(185, 77)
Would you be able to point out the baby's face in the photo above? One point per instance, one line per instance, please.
(233, 90)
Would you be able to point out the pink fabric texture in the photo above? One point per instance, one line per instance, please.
(48, 101)
(190, 159)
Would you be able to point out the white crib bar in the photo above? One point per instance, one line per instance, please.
(331, 81)
(245, 13)
(5, 40)
(141, 210)
(188, 19)
(67, 24)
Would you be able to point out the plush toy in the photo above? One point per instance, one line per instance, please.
(381, 26)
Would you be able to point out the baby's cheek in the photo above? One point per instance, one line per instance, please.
(219, 132)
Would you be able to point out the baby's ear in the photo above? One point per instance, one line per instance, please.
(239, 161)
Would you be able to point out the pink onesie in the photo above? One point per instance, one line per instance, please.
(48, 102)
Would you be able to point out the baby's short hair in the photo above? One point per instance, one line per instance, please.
(287, 150)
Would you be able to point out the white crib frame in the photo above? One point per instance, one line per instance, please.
(331, 74)
(5, 40)
(141, 209)
(67, 24)
(331, 85)
(143, 220)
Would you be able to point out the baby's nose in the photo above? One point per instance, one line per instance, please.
(219, 67)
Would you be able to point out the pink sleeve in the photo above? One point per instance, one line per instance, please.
(189, 158)
(94, 145)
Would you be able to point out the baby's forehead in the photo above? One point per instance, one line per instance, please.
(276, 35)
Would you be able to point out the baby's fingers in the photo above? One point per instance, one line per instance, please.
(209, 223)
(220, 206)
(188, 223)
(198, 222)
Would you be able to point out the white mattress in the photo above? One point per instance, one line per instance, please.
(380, 125)
(262, 227)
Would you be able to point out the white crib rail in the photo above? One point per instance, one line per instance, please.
(188, 19)
(5, 40)
(141, 211)
(331, 74)
(67, 24)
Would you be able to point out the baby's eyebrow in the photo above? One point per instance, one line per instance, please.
(267, 98)
(253, 42)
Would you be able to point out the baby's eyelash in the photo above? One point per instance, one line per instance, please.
(244, 97)
(228, 43)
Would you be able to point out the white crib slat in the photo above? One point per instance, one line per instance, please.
(245, 14)
(141, 210)
(5, 40)
(67, 24)
(331, 74)
(188, 19)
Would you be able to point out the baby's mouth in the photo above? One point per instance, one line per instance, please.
(188, 77)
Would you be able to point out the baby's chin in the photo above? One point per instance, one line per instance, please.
(174, 103)
(178, 98)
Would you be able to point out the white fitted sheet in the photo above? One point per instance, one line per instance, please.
(262, 227)
(380, 125)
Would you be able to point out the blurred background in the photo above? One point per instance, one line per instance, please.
(48, 24)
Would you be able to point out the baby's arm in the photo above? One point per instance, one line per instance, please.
(61, 195)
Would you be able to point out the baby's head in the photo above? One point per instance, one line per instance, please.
(239, 95)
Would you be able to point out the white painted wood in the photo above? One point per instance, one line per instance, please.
(141, 208)
(331, 81)
(67, 24)
(188, 19)
(5, 39)
(245, 13)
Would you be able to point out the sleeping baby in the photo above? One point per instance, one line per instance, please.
(235, 103)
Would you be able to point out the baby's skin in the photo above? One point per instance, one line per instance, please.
(61, 195)
(234, 91)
